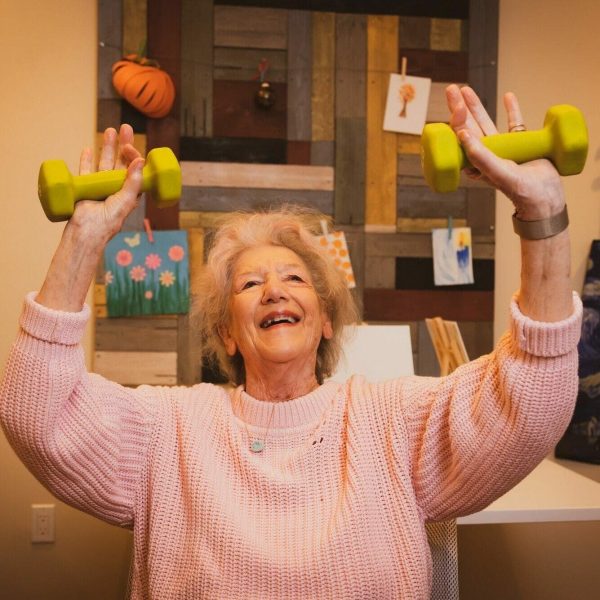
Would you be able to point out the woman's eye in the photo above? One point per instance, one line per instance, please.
(249, 284)
(294, 277)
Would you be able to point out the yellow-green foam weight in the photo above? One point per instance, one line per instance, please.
(563, 140)
(58, 190)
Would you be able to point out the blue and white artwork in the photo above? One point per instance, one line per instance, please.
(452, 256)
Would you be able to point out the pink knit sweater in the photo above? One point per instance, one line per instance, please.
(335, 505)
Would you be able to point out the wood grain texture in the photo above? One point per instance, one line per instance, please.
(108, 113)
(323, 91)
(483, 51)
(380, 272)
(194, 219)
(241, 175)
(350, 170)
(247, 149)
(414, 33)
(134, 25)
(446, 34)
(222, 199)
(351, 56)
(417, 245)
(236, 114)
(417, 201)
(141, 334)
(189, 342)
(437, 64)
(164, 45)
(481, 211)
(409, 305)
(196, 98)
(241, 64)
(299, 81)
(298, 153)
(137, 368)
(408, 144)
(416, 273)
(322, 153)
(251, 27)
(437, 111)
(110, 38)
(382, 60)
(426, 225)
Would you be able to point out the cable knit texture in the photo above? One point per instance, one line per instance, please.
(335, 505)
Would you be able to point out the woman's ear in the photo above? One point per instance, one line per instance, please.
(327, 328)
(228, 341)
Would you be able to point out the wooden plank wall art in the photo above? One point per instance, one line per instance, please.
(321, 143)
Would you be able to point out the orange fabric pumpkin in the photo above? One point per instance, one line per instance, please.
(144, 85)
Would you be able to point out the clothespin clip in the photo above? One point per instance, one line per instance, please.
(263, 67)
(148, 230)
(449, 227)
(403, 68)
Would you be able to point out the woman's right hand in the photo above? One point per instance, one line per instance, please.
(104, 219)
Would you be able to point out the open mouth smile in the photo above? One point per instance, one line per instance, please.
(284, 319)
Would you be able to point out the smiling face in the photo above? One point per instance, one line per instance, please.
(275, 315)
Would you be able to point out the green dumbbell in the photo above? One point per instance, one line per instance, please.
(563, 140)
(58, 190)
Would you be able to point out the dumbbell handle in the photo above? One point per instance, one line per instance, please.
(101, 184)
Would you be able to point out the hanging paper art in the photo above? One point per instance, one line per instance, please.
(407, 102)
(146, 277)
(452, 256)
(335, 245)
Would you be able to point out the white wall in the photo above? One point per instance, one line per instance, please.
(47, 104)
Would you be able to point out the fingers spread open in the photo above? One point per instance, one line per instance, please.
(108, 152)
(513, 111)
(478, 111)
(86, 161)
(125, 199)
(125, 139)
(461, 118)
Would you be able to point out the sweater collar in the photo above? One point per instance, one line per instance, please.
(281, 415)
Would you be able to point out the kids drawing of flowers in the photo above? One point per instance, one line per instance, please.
(167, 279)
(137, 273)
(153, 261)
(124, 258)
(176, 253)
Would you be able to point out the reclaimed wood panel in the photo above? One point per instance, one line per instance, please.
(380, 272)
(350, 118)
(164, 45)
(382, 60)
(137, 368)
(481, 211)
(233, 150)
(236, 114)
(416, 273)
(199, 219)
(417, 201)
(426, 364)
(414, 33)
(108, 114)
(437, 65)
(227, 199)
(299, 82)
(409, 305)
(134, 25)
(298, 153)
(189, 341)
(350, 170)
(196, 97)
(416, 244)
(241, 64)
(139, 334)
(323, 92)
(408, 144)
(322, 153)
(240, 175)
(446, 34)
(437, 111)
(483, 51)
(426, 225)
(352, 60)
(251, 27)
(110, 35)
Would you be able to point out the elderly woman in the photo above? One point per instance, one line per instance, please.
(293, 486)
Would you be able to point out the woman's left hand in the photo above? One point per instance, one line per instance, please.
(534, 187)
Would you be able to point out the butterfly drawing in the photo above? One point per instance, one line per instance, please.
(133, 241)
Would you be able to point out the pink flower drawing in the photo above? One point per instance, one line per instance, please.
(167, 279)
(148, 295)
(138, 273)
(153, 261)
(124, 258)
(176, 253)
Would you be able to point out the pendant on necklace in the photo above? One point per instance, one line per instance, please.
(257, 446)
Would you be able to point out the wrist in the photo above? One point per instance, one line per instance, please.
(539, 229)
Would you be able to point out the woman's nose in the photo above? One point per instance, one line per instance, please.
(274, 290)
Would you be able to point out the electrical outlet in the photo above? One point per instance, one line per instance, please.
(42, 523)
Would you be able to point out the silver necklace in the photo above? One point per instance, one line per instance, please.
(258, 444)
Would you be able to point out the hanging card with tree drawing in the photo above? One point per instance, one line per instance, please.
(145, 277)
(407, 102)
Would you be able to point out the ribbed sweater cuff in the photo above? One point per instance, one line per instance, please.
(52, 325)
(546, 339)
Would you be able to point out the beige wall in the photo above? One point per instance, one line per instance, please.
(548, 54)
(47, 103)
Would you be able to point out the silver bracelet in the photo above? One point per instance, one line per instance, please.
(544, 228)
